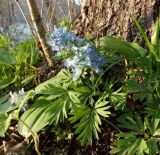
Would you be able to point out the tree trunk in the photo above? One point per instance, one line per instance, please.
(114, 17)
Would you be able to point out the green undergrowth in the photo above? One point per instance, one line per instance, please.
(125, 97)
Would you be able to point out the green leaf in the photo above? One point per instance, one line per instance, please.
(3, 116)
(133, 86)
(132, 122)
(118, 99)
(35, 118)
(128, 49)
(152, 146)
(27, 80)
(155, 35)
(78, 115)
(152, 124)
(5, 42)
(7, 58)
(50, 89)
(157, 132)
(80, 94)
(4, 103)
(4, 123)
(65, 23)
(88, 120)
(143, 33)
(130, 145)
(44, 112)
(75, 96)
(6, 82)
(58, 109)
(142, 148)
(56, 85)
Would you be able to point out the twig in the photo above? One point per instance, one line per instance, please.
(69, 10)
(42, 5)
(51, 17)
(62, 10)
(40, 30)
(25, 18)
(74, 20)
(112, 125)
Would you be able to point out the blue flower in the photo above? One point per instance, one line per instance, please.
(74, 39)
(61, 39)
(85, 57)
(17, 98)
(58, 38)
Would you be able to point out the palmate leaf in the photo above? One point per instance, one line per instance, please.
(51, 107)
(153, 146)
(118, 99)
(55, 85)
(129, 144)
(44, 112)
(128, 49)
(88, 120)
(132, 122)
(80, 94)
(35, 118)
(133, 86)
(153, 125)
(58, 109)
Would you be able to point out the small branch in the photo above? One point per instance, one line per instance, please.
(25, 18)
(60, 7)
(52, 15)
(69, 10)
(40, 30)
(42, 5)
(111, 124)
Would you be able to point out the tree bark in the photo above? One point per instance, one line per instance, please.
(40, 30)
(114, 17)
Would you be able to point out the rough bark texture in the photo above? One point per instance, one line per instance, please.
(114, 17)
(7, 12)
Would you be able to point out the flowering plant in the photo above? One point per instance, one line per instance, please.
(84, 55)
(17, 98)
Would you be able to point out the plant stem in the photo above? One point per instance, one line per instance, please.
(35, 137)
(112, 125)
(23, 102)
(110, 66)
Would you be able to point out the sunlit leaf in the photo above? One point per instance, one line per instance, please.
(128, 49)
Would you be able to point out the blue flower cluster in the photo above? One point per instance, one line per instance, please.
(60, 39)
(84, 54)
(85, 57)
